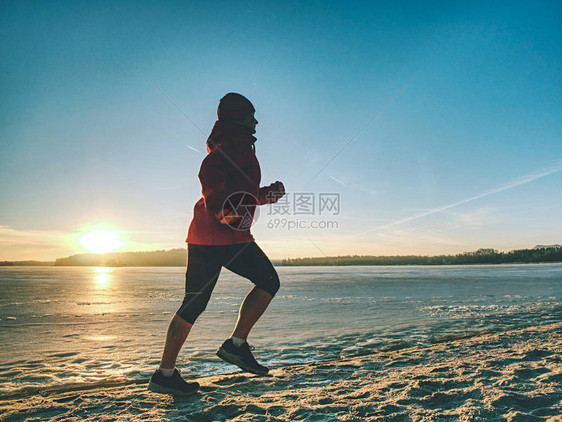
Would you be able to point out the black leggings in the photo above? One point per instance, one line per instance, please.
(204, 263)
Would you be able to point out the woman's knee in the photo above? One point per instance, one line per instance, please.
(271, 284)
(191, 308)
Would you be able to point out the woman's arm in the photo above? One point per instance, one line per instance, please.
(213, 182)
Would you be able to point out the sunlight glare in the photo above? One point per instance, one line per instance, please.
(101, 241)
(102, 276)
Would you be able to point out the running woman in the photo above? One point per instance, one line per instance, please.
(219, 236)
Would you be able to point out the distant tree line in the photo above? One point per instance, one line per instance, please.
(177, 258)
(481, 256)
(27, 263)
(162, 258)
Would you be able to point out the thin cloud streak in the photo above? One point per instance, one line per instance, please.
(338, 181)
(510, 185)
(194, 149)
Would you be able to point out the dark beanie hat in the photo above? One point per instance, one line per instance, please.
(234, 107)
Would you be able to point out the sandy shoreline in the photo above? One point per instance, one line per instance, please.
(516, 375)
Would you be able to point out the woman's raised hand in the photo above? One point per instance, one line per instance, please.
(279, 189)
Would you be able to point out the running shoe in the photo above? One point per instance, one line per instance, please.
(241, 357)
(175, 384)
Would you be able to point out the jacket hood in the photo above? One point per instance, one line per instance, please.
(228, 134)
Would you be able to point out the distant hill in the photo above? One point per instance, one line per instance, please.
(161, 258)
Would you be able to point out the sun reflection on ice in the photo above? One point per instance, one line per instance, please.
(102, 276)
(103, 298)
(100, 337)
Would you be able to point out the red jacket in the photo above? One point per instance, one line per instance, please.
(231, 166)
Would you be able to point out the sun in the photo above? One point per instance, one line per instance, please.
(101, 241)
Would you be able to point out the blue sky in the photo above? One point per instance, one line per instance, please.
(468, 154)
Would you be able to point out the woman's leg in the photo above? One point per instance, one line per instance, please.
(253, 307)
(177, 333)
(203, 269)
(252, 263)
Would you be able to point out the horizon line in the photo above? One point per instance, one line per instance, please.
(539, 246)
